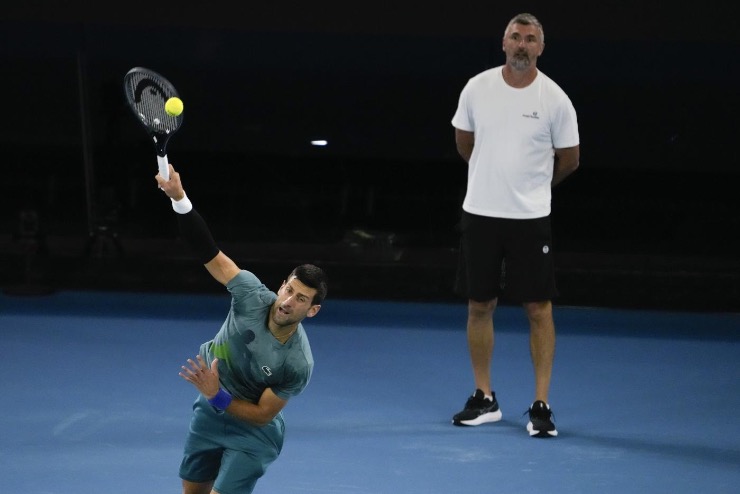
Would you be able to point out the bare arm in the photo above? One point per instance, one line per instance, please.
(261, 413)
(222, 268)
(207, 382)
(464, 141)
(566, 162)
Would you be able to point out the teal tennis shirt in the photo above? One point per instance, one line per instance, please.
(250, 358)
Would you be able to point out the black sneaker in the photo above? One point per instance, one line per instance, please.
(478, 410)
(540, 420)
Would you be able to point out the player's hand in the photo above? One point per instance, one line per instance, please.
(173, 186)
(199, 375)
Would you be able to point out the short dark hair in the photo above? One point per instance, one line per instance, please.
(313, 277)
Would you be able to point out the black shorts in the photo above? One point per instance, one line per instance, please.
(510, 257)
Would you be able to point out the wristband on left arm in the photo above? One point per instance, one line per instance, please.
(222, 400)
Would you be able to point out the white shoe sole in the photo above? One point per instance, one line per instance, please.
(533, 432)
(483, 419)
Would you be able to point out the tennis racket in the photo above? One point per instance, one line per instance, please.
(147, 92)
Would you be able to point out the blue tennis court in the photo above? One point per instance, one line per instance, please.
(644, 400)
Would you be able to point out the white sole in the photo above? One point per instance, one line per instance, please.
(533, 432)
(484, 419)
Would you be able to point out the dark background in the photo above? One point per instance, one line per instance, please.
(649, 220)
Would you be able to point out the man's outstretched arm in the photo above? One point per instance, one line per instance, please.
(195, 231)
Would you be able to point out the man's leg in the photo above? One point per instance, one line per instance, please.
(482, 406)
(542, 349)
(480, 341)
(196, 487)
(541, 345)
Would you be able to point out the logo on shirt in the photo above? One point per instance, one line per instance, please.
(532, 115)
(266, 370)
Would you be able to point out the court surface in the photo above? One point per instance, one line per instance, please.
(644, 401)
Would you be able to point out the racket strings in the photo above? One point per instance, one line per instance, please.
(147, 97)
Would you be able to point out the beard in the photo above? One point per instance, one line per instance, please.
(520, 61)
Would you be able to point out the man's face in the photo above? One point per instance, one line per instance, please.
(294, 303)
(522, 44)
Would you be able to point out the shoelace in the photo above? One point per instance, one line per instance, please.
(542, 413)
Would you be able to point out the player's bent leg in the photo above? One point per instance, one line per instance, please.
(197, 487)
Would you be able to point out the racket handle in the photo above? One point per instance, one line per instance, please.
(164, 166)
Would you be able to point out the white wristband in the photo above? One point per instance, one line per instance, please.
(183, 206)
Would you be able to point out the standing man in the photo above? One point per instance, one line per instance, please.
(246, 374)
(518, 132)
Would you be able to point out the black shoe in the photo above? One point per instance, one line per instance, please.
(540, 420)
(478, 410)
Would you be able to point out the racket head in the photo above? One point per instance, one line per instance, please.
(146, 93)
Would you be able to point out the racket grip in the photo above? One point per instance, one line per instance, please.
(164, 166)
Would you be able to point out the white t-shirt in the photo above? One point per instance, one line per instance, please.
(516, 132)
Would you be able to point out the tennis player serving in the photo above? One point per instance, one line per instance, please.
(246, 374)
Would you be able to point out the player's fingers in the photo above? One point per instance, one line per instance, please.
(194, 366)
(188, 371)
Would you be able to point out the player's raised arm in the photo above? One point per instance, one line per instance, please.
(195, 231)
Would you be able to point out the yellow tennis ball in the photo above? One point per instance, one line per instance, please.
(173, 106)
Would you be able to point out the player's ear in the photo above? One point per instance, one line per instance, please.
(313, 310)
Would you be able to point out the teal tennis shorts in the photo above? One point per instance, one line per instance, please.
(230, 452)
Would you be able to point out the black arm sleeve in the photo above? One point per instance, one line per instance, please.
(198, 236)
